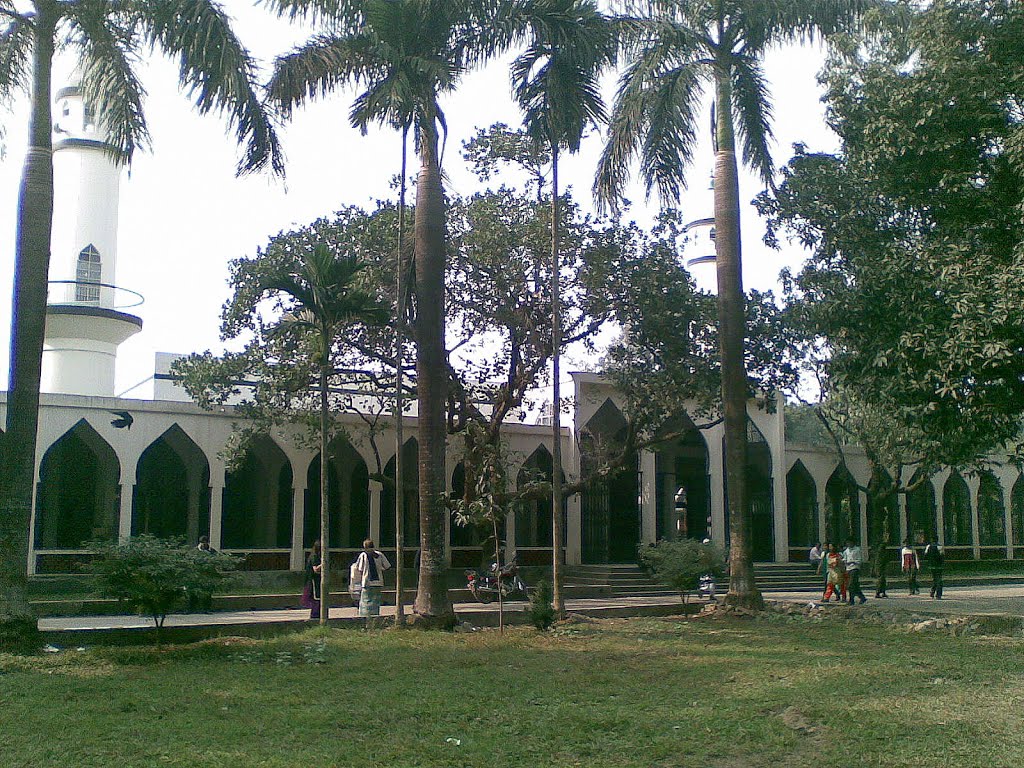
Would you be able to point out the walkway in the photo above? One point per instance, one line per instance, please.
(994, 600)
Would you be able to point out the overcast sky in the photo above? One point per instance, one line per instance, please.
(184, 215)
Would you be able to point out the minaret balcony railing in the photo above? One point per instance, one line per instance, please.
(86, 293)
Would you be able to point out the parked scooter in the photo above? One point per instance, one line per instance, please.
(484, 586)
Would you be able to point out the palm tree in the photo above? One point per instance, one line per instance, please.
(109, 37)
(327, 296)
(404, 55)
(677, 49)
(556, 83)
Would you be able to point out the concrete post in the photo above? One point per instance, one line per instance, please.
(297, 559)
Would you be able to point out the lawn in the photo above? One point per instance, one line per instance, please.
(706, 693)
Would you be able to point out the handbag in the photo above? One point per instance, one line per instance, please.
(355, 579)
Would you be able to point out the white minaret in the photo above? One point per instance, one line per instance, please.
(85, 316)
(699, 252)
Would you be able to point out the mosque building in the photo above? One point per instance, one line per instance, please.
(114, 467)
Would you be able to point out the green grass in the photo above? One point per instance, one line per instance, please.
(640, 692)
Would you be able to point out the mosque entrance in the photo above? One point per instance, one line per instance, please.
(610, 506)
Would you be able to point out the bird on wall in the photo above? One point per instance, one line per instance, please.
(124, 420)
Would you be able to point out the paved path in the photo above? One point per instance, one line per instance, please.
(957, 600)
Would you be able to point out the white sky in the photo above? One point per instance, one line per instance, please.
(184, 215)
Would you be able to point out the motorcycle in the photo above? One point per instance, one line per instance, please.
(485, 586)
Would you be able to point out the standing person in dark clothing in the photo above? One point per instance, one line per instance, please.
(934, 560)
(881, 572)
(311, 590)
(910, 565)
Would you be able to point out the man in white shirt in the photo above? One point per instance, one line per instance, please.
(852, 557)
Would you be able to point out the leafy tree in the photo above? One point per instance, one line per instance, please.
(403, 55)
(319, 296)
(556, 83)
(108, 38)
(909, 310)
(154, 577)
(677, 49)
(680, 564)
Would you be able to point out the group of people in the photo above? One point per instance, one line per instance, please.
(933, 560)
(366, 580)
(842, 570)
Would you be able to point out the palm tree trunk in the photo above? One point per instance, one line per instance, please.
(732, 331)
(399, 427)
(432, 603)
(325, 602)
(28, 321)
(557, 550)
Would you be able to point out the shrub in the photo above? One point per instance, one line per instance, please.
(542, 612)
(154, 577)
(680, 564)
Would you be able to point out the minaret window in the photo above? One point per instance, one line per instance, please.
(89, 271)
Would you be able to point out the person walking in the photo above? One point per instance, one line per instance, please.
(852, 557)
(311, 589)
(836, 575)
(882, 571)
(823, 562)
(911, 565)
(934, 560)
(371, 565)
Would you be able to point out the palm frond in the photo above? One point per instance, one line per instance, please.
(555, 80)
(15, 57)
(217, 71)
(752, 111)
(655, 119)
(109, 84)
(316, 11)
(315, 69)
(770, 22)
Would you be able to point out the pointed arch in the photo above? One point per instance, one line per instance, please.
(801, 506)
(842, 513)
(257, 508)
(1017, 511)
(956, 511)
(348, 497)
(760, 493)
(991, 511)
(921, 510)
(410, 498)
(610, 506)
(79, 490)
(533, 516)
(682, 481)
(890, 518)
(462, 535)
(172, 488)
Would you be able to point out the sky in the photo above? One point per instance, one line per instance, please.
(184, 214)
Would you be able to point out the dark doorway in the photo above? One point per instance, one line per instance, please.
(172, 488)
(79, 491)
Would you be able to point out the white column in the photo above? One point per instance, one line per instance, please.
(862, 497)
(216, 506)
(717, 471)
(648, 501)
(780, 511)
(375, 511)
(821, 500)
(124, 520)
(31, 564)
(1007, 476)
(298, 554)
(574, 530)
(510, 536)
(938, 482)
(973, 484)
